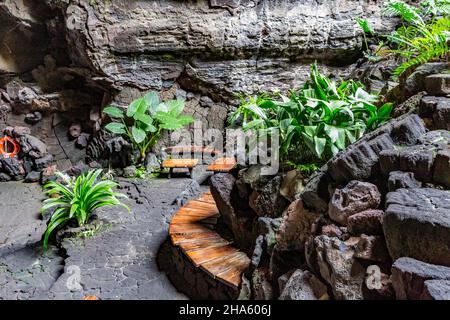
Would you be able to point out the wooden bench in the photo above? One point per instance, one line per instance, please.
(193, 150)
(180, 163)
(222, 165)
(192, 230)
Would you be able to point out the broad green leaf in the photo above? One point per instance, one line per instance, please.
(116, 127)
(134, 106)
(113, 112)
(175, 106)
(138, 134)
(319, 146)
(144, 118)
(152, 100)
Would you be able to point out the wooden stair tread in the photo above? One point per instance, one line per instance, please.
(199, 214)
(218, 266)
(185, 228)
(222, 165)
(233, 275)
(192, 230)
(204, 243)
(179, 238)
(194, 219)
(208, 254)
(180, 163)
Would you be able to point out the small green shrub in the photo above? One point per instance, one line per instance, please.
(76, 199)
(320, 119)
(145, 119)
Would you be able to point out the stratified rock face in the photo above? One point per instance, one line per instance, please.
(23, 35)
(225, 46)
(417, 224)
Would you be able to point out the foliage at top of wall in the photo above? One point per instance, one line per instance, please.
(317, 121)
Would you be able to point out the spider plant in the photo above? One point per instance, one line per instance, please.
(76, 199)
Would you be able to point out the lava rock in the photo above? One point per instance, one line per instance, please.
(17, 132)
(417, 224)
(296, 227)
(292, 185)
(83, 140)
(152, 163)
(339, 268)
(416, 81)
(269, 201)
(43, 162)
(221, 186)
(26, 96)
(33, 176)
(400, 179)
(441, 172)
(372, 248)
(331, 230)
(4, 177)
(75, 130)
(129, 171)
(368, 222)
(438, 84)
(303, 285)
(355, 197)
(48, 174)
(441, 116)
(436, 290)
(13, 167)
(33, 118)
(315, 194)
(419, 160)
(409, 276)
(32, 146)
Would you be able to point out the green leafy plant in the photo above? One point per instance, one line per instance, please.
(307, 169)
(76, 199)
(319, 120)
(144, 120)
(424, 34)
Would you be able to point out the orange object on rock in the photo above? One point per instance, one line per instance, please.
(91, 298)
(9, 148)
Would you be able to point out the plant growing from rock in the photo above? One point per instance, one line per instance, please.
(423, 36)
(77, 199)
(144, 120)
(319, 120)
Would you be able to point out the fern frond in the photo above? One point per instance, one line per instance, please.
(403, 10)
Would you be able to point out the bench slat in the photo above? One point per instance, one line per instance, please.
(180, 163)
(222, 165)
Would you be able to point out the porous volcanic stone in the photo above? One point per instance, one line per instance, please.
(369, 222)
(400, 179)
(436, 290)
(355, 197)
(303, 285)
(438, 84)
(441, 173)
(417, 224)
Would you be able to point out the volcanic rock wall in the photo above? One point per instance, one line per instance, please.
(74, 57)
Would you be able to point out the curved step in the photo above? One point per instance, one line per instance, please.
(192, 230)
